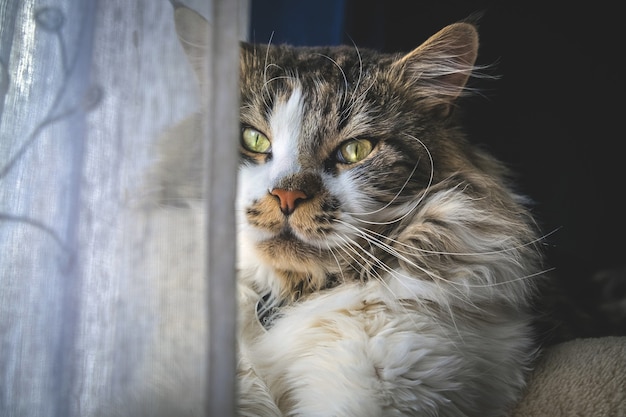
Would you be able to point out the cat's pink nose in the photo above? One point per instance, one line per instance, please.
(288, 199)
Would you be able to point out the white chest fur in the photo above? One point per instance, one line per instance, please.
(363, 350)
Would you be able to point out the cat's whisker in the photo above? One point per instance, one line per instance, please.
(278, 77)
(401, 255)
(351, 243)
(343, 74)
(415, 204)
(367, 267)
(346, 113)
(332, 252)
(354, 101)
(360, 77)
(393, 252)
(395, 197)
(268, 104)
(348, 243)
(267, 54)
(446, 253)
(266, 92)
(334, 255)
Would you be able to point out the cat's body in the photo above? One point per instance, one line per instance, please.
(385, 266)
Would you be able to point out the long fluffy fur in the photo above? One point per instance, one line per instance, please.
(402, 283)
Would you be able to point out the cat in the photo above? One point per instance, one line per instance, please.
(386, 266)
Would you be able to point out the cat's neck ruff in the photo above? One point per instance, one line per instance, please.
(385, 265)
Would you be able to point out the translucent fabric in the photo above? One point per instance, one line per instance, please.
(104, 295)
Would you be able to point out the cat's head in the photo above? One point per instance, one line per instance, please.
(339, 148)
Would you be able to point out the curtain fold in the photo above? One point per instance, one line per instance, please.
(103, 297)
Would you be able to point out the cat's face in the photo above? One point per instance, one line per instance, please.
(338, 146)
(354, 167)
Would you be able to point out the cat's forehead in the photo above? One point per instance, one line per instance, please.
(276, 63)
(320, 76)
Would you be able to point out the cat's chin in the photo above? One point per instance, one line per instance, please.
(298, 268)
(287, 244)
(285, 251)
(285, 241)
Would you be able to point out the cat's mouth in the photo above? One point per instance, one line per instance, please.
(295, 236)
(303, 246)
(287, 236)
(288, 240)
(298, 229)
(293, 258)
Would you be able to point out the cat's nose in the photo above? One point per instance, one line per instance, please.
(288, 199)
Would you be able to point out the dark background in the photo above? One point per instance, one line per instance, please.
(555, 114)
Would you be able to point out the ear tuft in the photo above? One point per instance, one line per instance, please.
(439, 68)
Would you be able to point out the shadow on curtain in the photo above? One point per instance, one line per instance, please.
(103, 298)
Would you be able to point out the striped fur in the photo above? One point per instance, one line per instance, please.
(401, 284)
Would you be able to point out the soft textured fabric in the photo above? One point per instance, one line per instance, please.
(583, 377)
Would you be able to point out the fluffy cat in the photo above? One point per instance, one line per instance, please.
(386, 265)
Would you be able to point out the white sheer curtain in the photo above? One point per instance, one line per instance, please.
(103, 299)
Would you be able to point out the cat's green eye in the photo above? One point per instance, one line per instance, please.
(255, 141)
(354, 150)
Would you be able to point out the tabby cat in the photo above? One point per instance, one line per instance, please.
(386, 265)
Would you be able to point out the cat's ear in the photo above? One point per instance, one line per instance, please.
(439, 68)
(193, 33)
